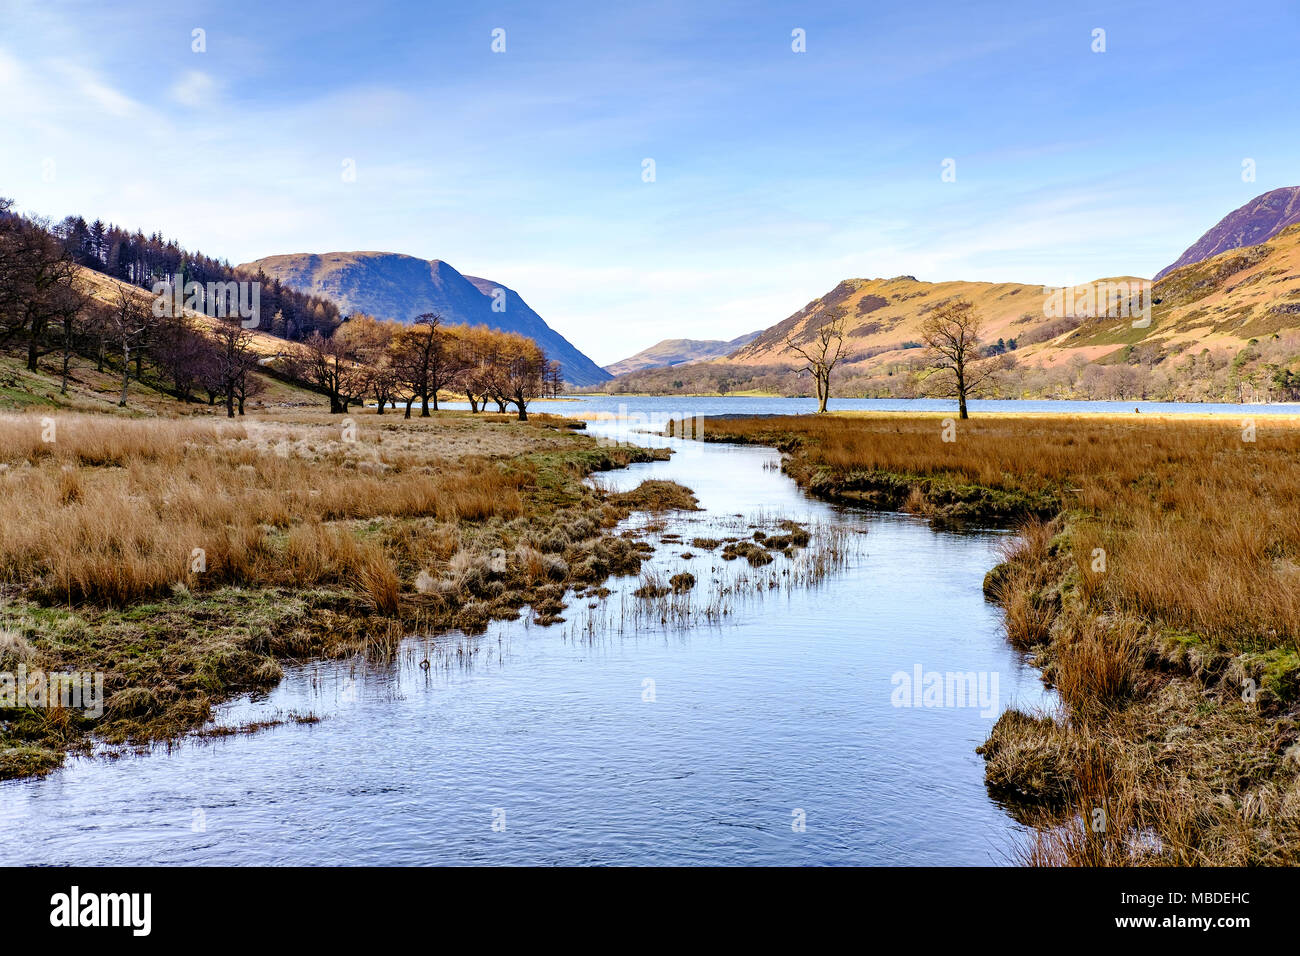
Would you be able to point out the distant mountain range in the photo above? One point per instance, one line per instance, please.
(392, 286)
(1257, 221)
(671, 352)
(1225, 300)
(1240, 281)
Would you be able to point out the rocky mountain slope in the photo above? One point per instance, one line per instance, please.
(1257, 221)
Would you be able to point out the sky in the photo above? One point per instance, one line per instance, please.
(960, 140)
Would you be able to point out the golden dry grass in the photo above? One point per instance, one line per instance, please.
(118, 510)
(1199, 529)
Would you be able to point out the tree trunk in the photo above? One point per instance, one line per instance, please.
(409, 402)
(126, 376)
(473, 403)
(424, 405)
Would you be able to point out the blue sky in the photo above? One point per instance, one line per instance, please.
(777, 173)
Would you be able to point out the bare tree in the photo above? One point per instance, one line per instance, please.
(428, 360)
(523, 371)
(235, 359)
(951, 332)
(69, 307)
(554, 379)
(823, 351)
(129, 321)
(331, 366)
(247, 386)
(179, 350)
(384, 383)
(373, 342)
(477, 349)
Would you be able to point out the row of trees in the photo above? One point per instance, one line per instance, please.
(394, 363)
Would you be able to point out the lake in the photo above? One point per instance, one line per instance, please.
(751, 405)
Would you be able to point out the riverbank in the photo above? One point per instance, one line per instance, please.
(1154, 584)
(183, 559)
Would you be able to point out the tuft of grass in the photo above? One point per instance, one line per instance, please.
(1097, 667)
(657, 495)
(380, 583)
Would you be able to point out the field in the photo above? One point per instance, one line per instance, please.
(186, 558)
(1154, 581)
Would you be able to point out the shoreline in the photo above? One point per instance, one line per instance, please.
(577, 395)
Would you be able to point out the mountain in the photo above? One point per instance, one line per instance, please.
(1234, 317)
(1258, 221)
(679, 352)
(392, 286)
(884, 317)
(1234, 297)
(1240, 281)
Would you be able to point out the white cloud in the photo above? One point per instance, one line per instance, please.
(85, 83)
(195, 89)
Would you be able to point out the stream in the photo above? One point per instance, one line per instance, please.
(766, 717)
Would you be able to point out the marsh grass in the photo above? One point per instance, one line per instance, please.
(1200, 528)
(673, 598)
(116, 512)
